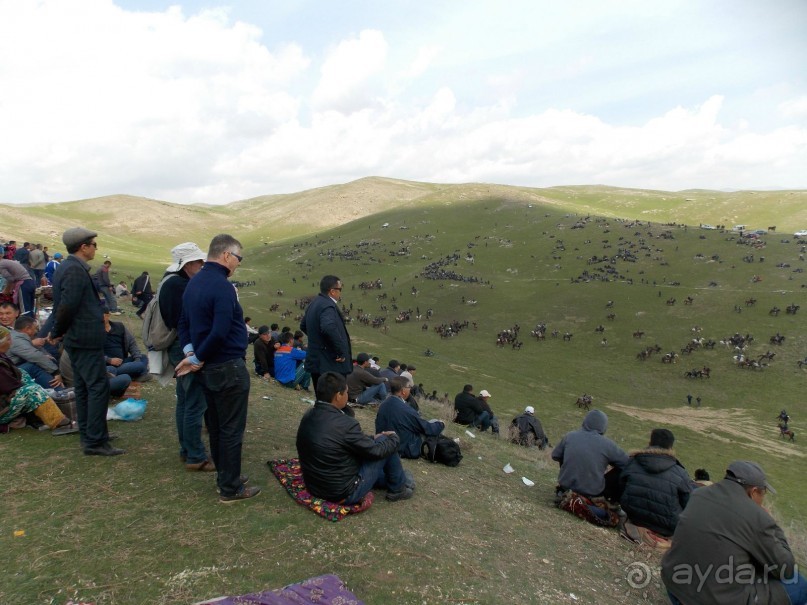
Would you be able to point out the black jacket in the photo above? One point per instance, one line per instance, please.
(655, 490)
(468, 408)
(526, 424)
(332, 447)
(327, 338)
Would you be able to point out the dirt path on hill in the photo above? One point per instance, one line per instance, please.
(730, 426)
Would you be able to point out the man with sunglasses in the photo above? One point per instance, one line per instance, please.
(727, 548)
(79, 323)
(328, 341)
(213, 336)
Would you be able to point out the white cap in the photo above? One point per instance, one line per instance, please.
(529, 410)
(484, 393)
(183, 254)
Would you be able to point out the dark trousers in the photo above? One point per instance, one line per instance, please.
(226, 387)
(92, 394)
(27, 295)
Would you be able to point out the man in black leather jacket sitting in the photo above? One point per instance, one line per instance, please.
(339, 462)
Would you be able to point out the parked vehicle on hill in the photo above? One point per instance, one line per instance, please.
(802, 233)
(705, 226)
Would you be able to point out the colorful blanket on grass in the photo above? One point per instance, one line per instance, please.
(322, 590)
(290, 475)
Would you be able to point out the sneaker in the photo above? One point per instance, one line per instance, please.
(243, 478)
(242, 494)
(404, 494)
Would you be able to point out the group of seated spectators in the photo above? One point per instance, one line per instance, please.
(279, 356)
(48, 367)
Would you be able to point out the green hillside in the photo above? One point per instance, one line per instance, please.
(504, 257)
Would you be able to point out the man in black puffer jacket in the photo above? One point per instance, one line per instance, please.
(655, 486)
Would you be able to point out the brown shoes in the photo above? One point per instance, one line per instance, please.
(207, 466)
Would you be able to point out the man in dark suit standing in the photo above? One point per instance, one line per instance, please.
(328, 340)
(79, 321)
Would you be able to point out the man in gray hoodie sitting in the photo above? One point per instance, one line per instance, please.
(584, 456)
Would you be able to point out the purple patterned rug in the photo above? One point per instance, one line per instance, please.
(322, 590)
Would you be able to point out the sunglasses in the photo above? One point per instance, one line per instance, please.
(240, 258)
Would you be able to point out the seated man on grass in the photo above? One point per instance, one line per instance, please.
(288, 372)
(363, 387)
(339, 462)
(529, 430)
(121, 353)
(27, 354)
(396, 415)
(470, 410)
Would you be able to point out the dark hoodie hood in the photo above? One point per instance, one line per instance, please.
(596, 421)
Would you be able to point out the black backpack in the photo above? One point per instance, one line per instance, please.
(439, 448)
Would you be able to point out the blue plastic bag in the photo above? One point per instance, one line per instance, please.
(128, 410)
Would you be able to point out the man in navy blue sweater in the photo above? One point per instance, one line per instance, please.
(214, 339)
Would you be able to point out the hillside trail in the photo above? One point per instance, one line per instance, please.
(730, 426)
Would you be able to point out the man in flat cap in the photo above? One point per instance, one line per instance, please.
(79, 322)
(727, 548)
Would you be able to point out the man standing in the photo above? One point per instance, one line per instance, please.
(727, 548)
(396, 415)
(52, 265)
(339, 462)
(36, 258)
(106, 288)
(19, 285)
(328, 341)
(141, 289)
(214, 338)
(191, 403)
(79, 321)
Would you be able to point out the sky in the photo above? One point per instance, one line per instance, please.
(208, 101)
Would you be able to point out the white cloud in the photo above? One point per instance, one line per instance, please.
(95, 99)
(346, 72)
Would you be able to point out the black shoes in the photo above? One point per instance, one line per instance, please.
(404, 494)
(103, 450)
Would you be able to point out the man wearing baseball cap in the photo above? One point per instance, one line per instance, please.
(727, 548)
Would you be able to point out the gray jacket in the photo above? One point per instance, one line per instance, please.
(721, 546)
(585, 454)
(22, 351)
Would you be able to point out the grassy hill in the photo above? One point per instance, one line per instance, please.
(142, 530)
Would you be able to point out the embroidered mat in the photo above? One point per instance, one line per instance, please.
(290, 475)
(322, 590)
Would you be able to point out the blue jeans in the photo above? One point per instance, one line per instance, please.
(191, 407)
(482, 421)
(226, 388)
(109, 298)
(37, 374)
(387, 472)
(796, 590)
(377, 391)
(132, 366)
(27, 296)
(119, 384)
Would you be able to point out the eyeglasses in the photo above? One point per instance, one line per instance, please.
(240, 258)
(340, 289)
(93, 244)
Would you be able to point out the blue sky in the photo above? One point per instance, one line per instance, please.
(214, 102)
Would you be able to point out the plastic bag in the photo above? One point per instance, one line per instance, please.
(128, 410)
